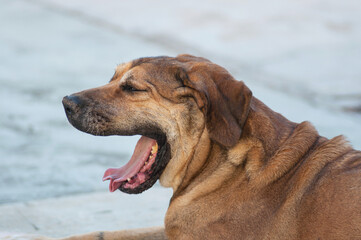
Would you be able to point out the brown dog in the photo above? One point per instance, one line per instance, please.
(238, 170)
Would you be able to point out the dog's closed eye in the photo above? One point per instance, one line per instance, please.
(130, 88)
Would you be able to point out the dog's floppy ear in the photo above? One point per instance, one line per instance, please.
(224, 101)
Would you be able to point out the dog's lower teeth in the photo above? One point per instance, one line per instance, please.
(128, 179)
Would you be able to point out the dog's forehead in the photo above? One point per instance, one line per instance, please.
(162, 71)
(159, 73)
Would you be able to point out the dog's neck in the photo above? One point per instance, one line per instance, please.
(273, 137)
(270, 128)
(261, 155)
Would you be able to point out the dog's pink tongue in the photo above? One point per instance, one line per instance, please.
(140, 155)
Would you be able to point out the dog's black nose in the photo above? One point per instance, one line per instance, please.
(71, 104)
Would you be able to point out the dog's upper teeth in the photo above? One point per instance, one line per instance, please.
(154, 148)
(128, 179)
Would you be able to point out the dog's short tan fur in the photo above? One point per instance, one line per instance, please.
(238, 170)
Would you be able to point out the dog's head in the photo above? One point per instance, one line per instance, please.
(171, 102)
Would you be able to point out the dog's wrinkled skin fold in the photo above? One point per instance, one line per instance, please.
(238, 170)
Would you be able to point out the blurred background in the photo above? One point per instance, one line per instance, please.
(302, 58)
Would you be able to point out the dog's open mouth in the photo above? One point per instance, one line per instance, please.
(143, 169)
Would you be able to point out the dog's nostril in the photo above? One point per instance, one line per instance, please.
(70, 104)
(68, 110)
